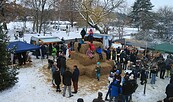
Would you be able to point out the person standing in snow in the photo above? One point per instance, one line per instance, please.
(169, 92)
(98, 68)
(67, 77)
(162, 66)
(143, 76)
(54, 51)
(171, 74)
(153, 74)
(53, 69)
(99, 99)
(62, 63)
(75, 78)
(83, 33)
(116, 89)
(57, 78)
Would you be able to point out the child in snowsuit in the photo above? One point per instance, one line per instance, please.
(98, 67)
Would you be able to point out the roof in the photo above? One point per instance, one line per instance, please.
(20, 46)
(47, 39)
(138, 43)
(164, 47)
(98, 35)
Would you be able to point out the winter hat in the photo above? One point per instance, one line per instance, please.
(98, 63)
(131, 77)
(80, 100)
(117, 72)
(100, 94)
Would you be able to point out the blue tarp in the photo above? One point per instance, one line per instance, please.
(20, 46)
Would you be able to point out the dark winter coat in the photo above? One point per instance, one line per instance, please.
(118, 50)
(129, 87)
(43, 49)
(162, 65)
(169, 90)
(83, 32)
(75, 76)
(67, 77)
(98, 100)
(143, 75)
(113, 55)
(63, 62)
(132, 57)
(57, 77)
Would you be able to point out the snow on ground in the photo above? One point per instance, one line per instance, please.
(33, 86)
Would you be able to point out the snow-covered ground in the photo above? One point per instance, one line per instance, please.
(33, 86)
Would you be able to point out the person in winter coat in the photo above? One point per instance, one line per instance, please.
(171, 74)
(91, 45)
(80, 43)
(168, 63)
(57, 78)
(75, 78)
(99, 51)
(83, 33)
(54, 51)
(99, 99)
(43, 50)
(113, 55)
(116, 89)
(89, 53)
(62, 63)
(169, 92)
(143, 76)
(53, 69)
(153, 74)
(98, 68)
(110, 79)
(67, 77)
(108, 53)
(162, 66)
(118, 50)
(90, 36)
(128, 88)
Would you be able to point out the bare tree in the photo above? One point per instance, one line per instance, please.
(94, 12)
(38, 10)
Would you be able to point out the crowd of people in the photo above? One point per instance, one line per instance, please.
(122, 84)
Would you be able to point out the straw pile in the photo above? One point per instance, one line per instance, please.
(70, 63)
(90, 70)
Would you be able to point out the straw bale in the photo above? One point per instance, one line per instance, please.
(85, 60)
(74, 55)
(97, 44)
(90, 70)
(71, 63)
(84, 48)
(75, 46)
(110, 62)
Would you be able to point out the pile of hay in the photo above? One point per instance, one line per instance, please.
(85, 60)
(85, 46)
(105, 69)
(87, 65)
(89, 70)
(70, 63)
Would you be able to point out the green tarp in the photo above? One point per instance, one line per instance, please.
(164, 47)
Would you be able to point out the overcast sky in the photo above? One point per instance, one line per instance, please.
(157, 3)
